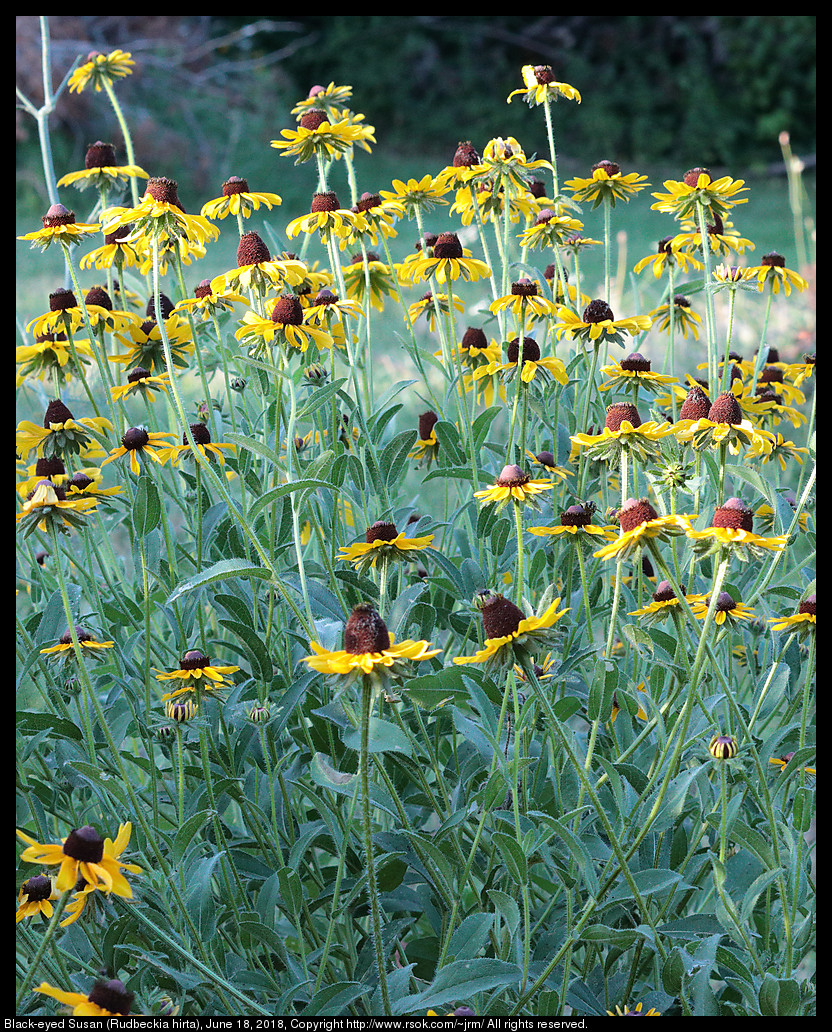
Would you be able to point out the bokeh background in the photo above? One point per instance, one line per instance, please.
(661, 94)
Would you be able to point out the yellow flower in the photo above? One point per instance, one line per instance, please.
(369, 650)
(540, 87)
(35, 897)
(61, 433)
(141, 381)
(196, 668)
(105, 999)
(287, 325)
(139, 443)
(514, 485)
(684, 318)
(525, 302)
(59, 225)
(159, 215)
(633, 372)
(641, 523)
(576, 521)
(512, 636)
(327, 217)
(100, 69)
(46, 506)
(724, 425)
(551, 230)
(66, 650)
(202, 439)
(317, 136)
(449, 261)
(652, 1013)
(697, 187)
(727, 609)
(384, 544)
(773, 270)
(83, 853)
(606, 185)
(664, 604)
(598, 323)
(666, 256)
(416, 195)
(237, 199)
(804, 621)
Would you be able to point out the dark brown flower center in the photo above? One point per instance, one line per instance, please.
(473, 338)
(165, 306)
(808, 606)
(99, 296)
(58, 215)
(252, 251)
(234, 185)
(770, 374)
(724, 602)
(597, 311)
(365, 632)
(774, 259)
(61, 299)
(634, 512)
(367, 201)
(619, 412)
(500, 617)
(610, 167)
(512, 476)
(84, 844)
(324, 202)
(66, 637)
(381, 531)
(135, 439)
(49, 467)
(56, 412)
(664, 592)
(112, 996)
(326, 297)
(194, 659)
(163, 190)
(692, 176)
(200, 433)
(203, 289)
(81, 482)
(524, 288)
(636, 363)
(726, 409)
(544, 215)
(37, 888)
(696, 406)
(100, 155)
(288, 310)
(576, 516)
(313, 118)
(466, 156)
(447, 246)
(531, 351)
(735, 514)
(427, 421)
(544, 74)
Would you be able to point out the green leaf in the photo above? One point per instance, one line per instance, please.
(308, 484)
(459, 981)
(186, 833)
(513, 857)
(28, 723)
(225, 569)
(147, 507)
(384, 737)
(393, 460)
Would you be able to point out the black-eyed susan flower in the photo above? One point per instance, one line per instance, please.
(180, 711)
(685, 320)
(61, 434)
(65, 650)
(665, 603)
(100, 170)
(327, 218)
(59, 226)
(330, 99)
(512, 636)
(85, 854)
(598, 324)
(196, 669)
(202, 439)
(257, 270)
(427, 305)
(378, 216)
(783, 761)
(803, 622)
(667, 256)
(51, 357)
(143, 383)
(416, 195)
(505, 169)
(373, 275)
(286, 325)
(105, 999)
(449, 260)
(485, 200)
(640, 524)
(725, 424)
(546, 460)
(576, 520)
(697, 187)
(117, 250)
(551, 230)
(48, 506)
(722, 239)
(732, 527)
(532, 366)
(623, 429)
(772, 270)
(516, 486)
(329, 311)
(541, 87)
(160, 216)
(525, 302)
(140, 444)
(728, 609)
(606, 185)
(633, 372)
(35, 897)
(64, 316)
(635, 1012)
(370, 650)
(101, 313)
(427, 446)
(723, 747)
(384, 544)
(317, 136)
(209, 301)
(237, 199)
(99, 69)
(143, 342)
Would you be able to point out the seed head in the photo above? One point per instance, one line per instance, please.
(531, 351)
(619, 412)
(726, 409)
(512, 476)
(692, 176)
(100, 155)
(61, 299)
(576, 516)
(597, 311)
(609, 167)
(636, 362)
(808, 605)
(473, 338)
(734, 513)
(500, 617)
(56, 412)
(252, 251)
(163, 190)
(696, 405)
(447, 246)
(84, 844)
(427, 421)
(234, 185)
(324, 202)
(634, 512)
(58, 215)
(365, 631)
(524, 288)
(466, 156)
(288, 310)
(194, 659)
(381, 531)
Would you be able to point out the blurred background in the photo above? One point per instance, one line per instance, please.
(661, 94)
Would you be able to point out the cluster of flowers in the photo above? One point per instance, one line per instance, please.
(298, 312)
